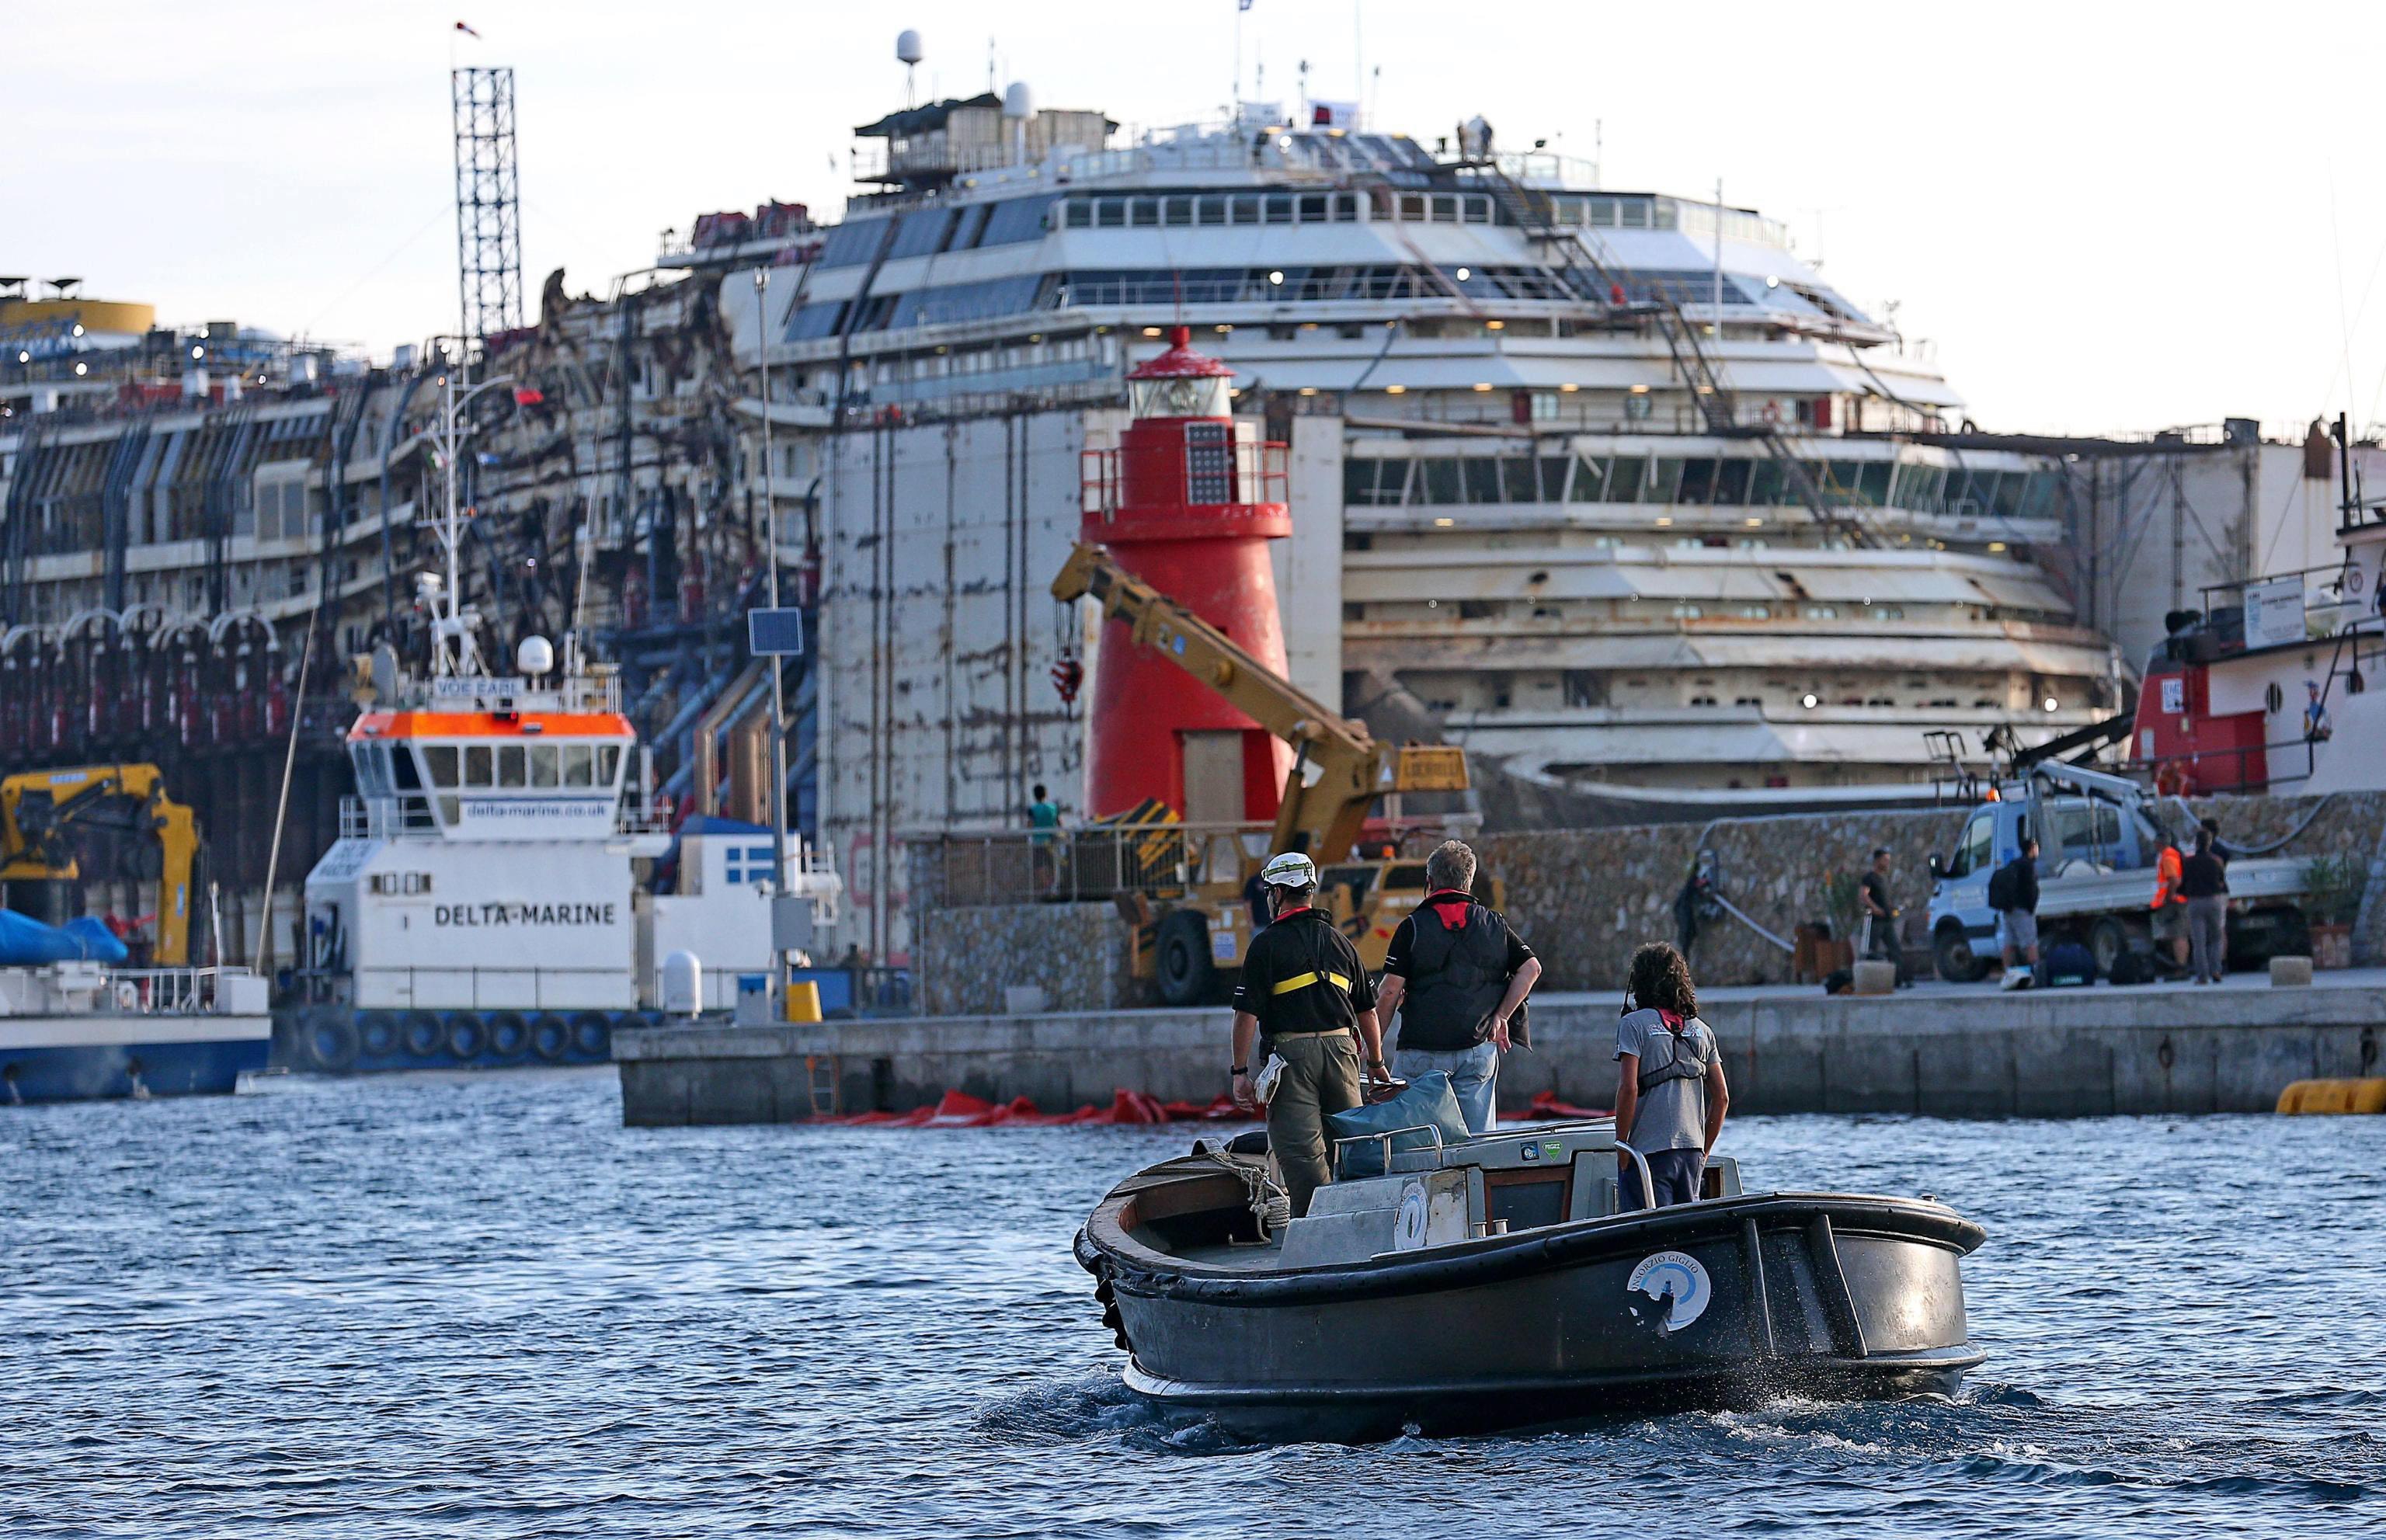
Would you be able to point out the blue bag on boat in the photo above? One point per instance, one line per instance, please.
(27, 943)
(1427, 1103)
(99, 942)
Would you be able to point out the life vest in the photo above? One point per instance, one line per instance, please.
(1689, 1056)
(2166, 875)
(1458, 975)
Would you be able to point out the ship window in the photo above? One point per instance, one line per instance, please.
(1698, 481)
(1081, 213)
(1440, 481)
(1279, 208)
(1016, 220)
(922, 232)
(510, 768)
(442, 760)
(1213, 211)
(1412, 205)
(542, 765)
(405, 772)
(1482, 481)
(608, 763)
(1247, 210)
(1664, 482)
(1873, 482)
(480, 766)
(1445, 209)
(972, 225)
(1477, 209)
(1624, 479)
(1143, 211)
(577, 761)
(1179, 211)
(1313, 209)
(1518, 475)
(1731, 482)
(1589, 481)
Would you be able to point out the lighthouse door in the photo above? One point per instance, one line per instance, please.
(1213, 777)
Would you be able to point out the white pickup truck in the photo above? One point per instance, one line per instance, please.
(2097, 848)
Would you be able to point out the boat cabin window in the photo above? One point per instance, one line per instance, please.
(476, 767)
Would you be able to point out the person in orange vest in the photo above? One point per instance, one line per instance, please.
(2171, 904)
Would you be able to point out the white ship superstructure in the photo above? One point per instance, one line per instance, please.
(1612, 485)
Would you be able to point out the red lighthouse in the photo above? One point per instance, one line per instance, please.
(1187, 502)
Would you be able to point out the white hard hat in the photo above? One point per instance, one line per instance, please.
(1291, 870)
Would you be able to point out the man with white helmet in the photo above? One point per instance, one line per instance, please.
(1304, 999)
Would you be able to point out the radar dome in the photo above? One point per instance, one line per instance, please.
(535, 657)
(906, 46)
(1018, 101)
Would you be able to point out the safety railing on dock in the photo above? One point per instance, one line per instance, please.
(1037, 866)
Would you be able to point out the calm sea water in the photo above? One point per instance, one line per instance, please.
(480, 1307)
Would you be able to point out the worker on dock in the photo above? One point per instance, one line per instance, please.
(1306, 1006)
(1456, 982)
(1670, 1095)
(2170, 902)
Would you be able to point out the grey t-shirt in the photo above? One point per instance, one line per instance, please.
(1673, 1113)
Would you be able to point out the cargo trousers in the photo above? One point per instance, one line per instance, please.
(1321, 1075)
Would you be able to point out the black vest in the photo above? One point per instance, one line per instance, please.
(1456, 980)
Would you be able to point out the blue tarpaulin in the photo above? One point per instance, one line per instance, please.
(27, 943)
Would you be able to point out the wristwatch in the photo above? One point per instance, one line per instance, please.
(1239, 1069)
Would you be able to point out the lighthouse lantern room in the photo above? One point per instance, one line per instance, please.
(1188, 502)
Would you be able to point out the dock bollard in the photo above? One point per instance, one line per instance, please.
(1873, 976)
(2290, 973)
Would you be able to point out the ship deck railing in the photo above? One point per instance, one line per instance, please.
(167, 991)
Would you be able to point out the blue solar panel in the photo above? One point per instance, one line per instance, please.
(775, 633)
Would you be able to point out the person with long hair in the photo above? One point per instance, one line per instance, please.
(1670, 1095)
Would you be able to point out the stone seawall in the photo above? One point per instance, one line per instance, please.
(1076, 954)
(1585, 897)
(1974, 1053)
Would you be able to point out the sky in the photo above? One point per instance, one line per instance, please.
(2104, 217)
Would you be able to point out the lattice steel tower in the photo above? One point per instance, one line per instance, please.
(488, 203)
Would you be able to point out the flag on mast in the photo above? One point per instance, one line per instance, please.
(468, 31)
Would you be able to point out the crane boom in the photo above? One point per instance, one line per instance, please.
(1321, 815)
(40, 809)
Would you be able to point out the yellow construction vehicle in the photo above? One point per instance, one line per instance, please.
(1191, 932)
(42, 812)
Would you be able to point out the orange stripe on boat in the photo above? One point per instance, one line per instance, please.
(385, 725)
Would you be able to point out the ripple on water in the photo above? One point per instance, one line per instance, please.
(478, 1306)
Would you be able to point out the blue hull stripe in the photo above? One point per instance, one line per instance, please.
(97, 1073)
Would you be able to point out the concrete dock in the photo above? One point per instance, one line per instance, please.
(1945, 1050)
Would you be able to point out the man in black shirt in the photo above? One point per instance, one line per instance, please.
(2205, 881)
(1303, 995)
(1880, 916)
(1457, 975)
(2013, 893)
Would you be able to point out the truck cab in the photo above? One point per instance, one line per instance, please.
(2079, 837)
(2098, 847)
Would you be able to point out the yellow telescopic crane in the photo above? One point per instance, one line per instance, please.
(42, 810)
(1338, 771)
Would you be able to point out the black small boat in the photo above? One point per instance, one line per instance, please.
(1491, 1284)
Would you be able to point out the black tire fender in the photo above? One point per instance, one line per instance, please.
(379, 1034)
(550, 1037)
(331, 1042)
(425, 1036)
(508, 1036)
(468, 1036)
